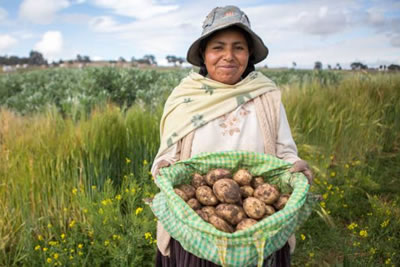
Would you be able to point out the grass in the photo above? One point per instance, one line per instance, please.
(72, 181)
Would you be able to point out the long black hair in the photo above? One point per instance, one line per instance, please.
(250, 64)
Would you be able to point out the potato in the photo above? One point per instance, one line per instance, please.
(216, 174)
(246, 191)
(231, 213)
(242, 177)
(194, 204)
(205, 195)
(198, 180)
(266, 193)
(203, 215)
(189, 190)
(209, 210)
(227, 190)
(269, 210)
(181, 194)
(281, 202)
(220, 224)
(254, 208)
(245, 223)
(257, 181)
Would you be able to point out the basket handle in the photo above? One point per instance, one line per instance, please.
(259, 242)
(222, 245)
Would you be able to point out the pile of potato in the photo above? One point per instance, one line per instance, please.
(231, 202)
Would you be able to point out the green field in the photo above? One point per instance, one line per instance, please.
(76, 148)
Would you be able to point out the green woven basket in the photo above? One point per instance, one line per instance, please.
(242, 248)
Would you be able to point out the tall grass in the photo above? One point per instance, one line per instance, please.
(72, 183)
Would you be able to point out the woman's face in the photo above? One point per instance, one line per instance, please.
(226, 56)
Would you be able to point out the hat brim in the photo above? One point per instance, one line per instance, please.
(260, 50)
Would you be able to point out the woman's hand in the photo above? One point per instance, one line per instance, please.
(302, 166)
(163, 163)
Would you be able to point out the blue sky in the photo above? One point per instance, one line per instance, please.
(340, 31)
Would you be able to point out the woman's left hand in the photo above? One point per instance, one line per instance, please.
(302, 166)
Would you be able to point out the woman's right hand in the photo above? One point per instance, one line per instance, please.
(162, 164)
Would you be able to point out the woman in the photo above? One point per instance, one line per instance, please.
(226, 106)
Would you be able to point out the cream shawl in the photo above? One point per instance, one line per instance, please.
(198, 100)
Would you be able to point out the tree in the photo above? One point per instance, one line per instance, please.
(36, 58)
(151, 59)
(294, 65)
(358, 66)
(317, 65)
(175, 59)
(121, 59)
(338, 66)
(394, 67)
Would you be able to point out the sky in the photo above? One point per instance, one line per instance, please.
(340, 31)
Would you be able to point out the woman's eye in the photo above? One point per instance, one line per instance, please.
(239, 47)
(217, 47)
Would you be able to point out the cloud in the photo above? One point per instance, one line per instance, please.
(135, 9)
(41, 11)
(6, 42)
(395, 41)
(51, 44)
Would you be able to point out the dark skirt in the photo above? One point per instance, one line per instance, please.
(182, 258)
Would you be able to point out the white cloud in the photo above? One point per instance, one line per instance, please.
(41, 11)
(6, 42)
(135, 9)
(51, 45)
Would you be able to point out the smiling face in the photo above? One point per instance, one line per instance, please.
(226, 56)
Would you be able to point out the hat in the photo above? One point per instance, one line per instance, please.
(220, 18)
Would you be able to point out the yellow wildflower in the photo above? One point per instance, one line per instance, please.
(145, 162)
(106, 243)
(90, 233)
(45, 249)
(345, 205)
(352, 226)
(127, 160)
(356, 244)
(62, 236)
(138, 210)
(72, 250)
(85, 210)
(133, 190)
(71, 257)
(55, 255)
(372, 251)
(147, 235)
(80, 246)
(385, 223)
(118, 197)
(49, 260)
(363, 233)
(80, 253)
(37, 247)
(49, 225)
(333, 174)
(325, 196)
(388, 261)
(126, 190)
(74, 191)
(303, 237)
(101, 211)
(94, 187)
(346, 166)
(53, 243)
(40, 237)
(323, 204)
(311, 254)
(72, 224)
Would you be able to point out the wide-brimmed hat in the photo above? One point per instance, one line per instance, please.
(220, 18)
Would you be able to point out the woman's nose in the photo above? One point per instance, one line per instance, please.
(228, 54)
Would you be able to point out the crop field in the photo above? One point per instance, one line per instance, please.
(76, 148)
